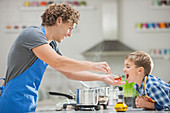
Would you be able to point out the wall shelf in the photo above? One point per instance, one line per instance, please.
(153, 30)
(43, 8)
(12, 31)
(32, 8)
(166, 57)
(160, 7)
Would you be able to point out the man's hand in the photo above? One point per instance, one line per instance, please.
(110, 80)
(101, 67)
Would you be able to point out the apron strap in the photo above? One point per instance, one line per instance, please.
(1, 88)
(150, 99)
(145, 82)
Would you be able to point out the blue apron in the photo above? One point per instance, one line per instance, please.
(20, 94)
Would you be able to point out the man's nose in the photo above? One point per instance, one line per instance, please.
(69, 34)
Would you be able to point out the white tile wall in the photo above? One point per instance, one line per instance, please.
(88, 34)
(133, 11)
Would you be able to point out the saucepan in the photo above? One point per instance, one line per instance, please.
(83, 96)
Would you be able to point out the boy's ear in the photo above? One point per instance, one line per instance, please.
(140, 70)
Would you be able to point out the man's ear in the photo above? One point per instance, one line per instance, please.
(59, 20)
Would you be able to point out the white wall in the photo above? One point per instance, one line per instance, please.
(133, 11)
(89, 33)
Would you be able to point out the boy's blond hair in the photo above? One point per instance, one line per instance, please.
(141, 59)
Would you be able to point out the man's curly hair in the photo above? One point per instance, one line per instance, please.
(65, 11)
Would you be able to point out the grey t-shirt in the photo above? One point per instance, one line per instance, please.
(21, 56)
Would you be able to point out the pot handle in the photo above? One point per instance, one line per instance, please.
(62, 94)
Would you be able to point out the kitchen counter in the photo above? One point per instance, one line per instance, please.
(52, 109)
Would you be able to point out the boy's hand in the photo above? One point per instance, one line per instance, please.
(110, 80)
(137, 102)
(142, 102)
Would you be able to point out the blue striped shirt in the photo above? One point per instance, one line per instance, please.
(156, 89)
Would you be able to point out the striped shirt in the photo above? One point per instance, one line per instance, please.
(156, 89)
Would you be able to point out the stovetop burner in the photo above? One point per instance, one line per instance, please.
(77, 107)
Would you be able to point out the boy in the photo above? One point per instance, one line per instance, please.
(155, 93)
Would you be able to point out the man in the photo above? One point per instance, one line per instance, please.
(34, 49)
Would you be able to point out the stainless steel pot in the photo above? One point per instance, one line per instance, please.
(87, 96)
(82, 97)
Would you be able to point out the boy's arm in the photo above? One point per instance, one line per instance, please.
(143, 102)
(160, 96)
(157, 106)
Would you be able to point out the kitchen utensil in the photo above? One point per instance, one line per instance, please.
(87, 97)
(82, 96)
(62, 94)
(83, 84)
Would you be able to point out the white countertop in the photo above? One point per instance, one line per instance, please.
(52, 109)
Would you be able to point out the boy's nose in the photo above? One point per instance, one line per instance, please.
(124, 70)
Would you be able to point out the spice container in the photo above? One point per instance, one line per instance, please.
(8, 27)
(26, 3)
(43, 3)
